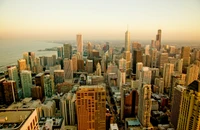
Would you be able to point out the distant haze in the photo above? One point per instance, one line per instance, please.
(100, 20)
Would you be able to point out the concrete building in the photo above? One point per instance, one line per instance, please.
(23, 119)
(137, 57)
(145, 104)
(68, 68)
(75, 63)
(36, 93)
(89, 49)
(185, 55)
(89, 66)
(79, 40)
(91, 107)
(26, 82)
(48, 86)
(39, 81)
(158, 40)
(22, 64)
(10, 92)
(189, 110)
(176, 104)
(139, 67)
(13, 75)
(67, 51)
(49, 108)
(162, 59)
(167, 74)
(98, 70)
(51, 123)
(59, 76)
(127, 41)
(192, 74)
(122, 65)
(60, 52)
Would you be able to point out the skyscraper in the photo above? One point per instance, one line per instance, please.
(185, 55)
(89, 49)
(39, 81)
(127, 41)
(137, 57)
(189, 110)
(13, 75)
(167, 74)
(68, 68)
(10, 91)
(26, 81)
(79, 40)
(144, 107)
(59, 76)
(67, 51)
(22, 64)
(158, 40)
(48, 85)
(192, 74)
(91, 107)
(60, 52)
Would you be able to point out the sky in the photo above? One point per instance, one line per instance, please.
(100, 19)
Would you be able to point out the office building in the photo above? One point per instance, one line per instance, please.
(80, 65)
(36, 93)
(91, 107)
(145, 104)
(89, 66)
(136, 46)
(59, 76)
(127, 41)
(39, 81)
(10, 92)
(162, 59)
(49, 108)
(153, 54)
(185, 55)
(13, 75)
(192, 74)
(122, 65)
(189, 110)
(22, 64)
(19, 119)
(176, 104)
(158, 40)
(68, 68)
(79, 40)
(75, 63)
(48, 86)
(26, 57)
(98, 70)
(137, 57)
(49, 60)
(145, 75)
(139, 67)
(167, 74)
(60, 52)
(89, 49)
(67, 51)
(68, 108)
(26, 82)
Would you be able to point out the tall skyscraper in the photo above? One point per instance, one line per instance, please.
(68, 68)
(162, 58)
(89, 49)
(75, 63)
(98, 69)
(39, 81)
(48, 86)
(67, 51)
(10, 91)
(158, 40)
(13, 75)
(192, 74)
(22, 64)
(91, 107)
(137, 57)
(144, 107)
(79, 40)
(189, 110)
(60, 52)
(127, 41)
(139, 67)
(26, 57)
(167, 74)
(185, 55)
(26, 82)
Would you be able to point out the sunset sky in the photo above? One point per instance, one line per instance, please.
(100, 20)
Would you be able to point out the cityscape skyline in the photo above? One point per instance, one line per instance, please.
(61, 20)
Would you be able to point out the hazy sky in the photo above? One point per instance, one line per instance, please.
(103, 19)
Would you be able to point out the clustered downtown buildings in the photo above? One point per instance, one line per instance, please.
(103, 86)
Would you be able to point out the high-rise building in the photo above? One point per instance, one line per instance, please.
(136, 46)
(139, 67)
(13, 75)
(48, 86)
(39, 81)
(144, 107)
(158, 40)
(128, 57)
(59, 76)
(67, 51)
(26, 57)
(89, 49)
(80, 65)
(91, 107)
(189, 110)
(162, 58)
(79, 40)
(185, 55)
(98, 69)
(68, 108)
(22, 64)
(68, 68)
(167, 74)
(26, 82)
(2, 96)
(127, 41)
(74, 62)
(192, 74)
(36, 92)
(49, 61)
(153, 53)
(145, 75)
(137, 57)
(176, 103)
(60, 52)
(89, 66)
(10, 91)
(122, 65)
